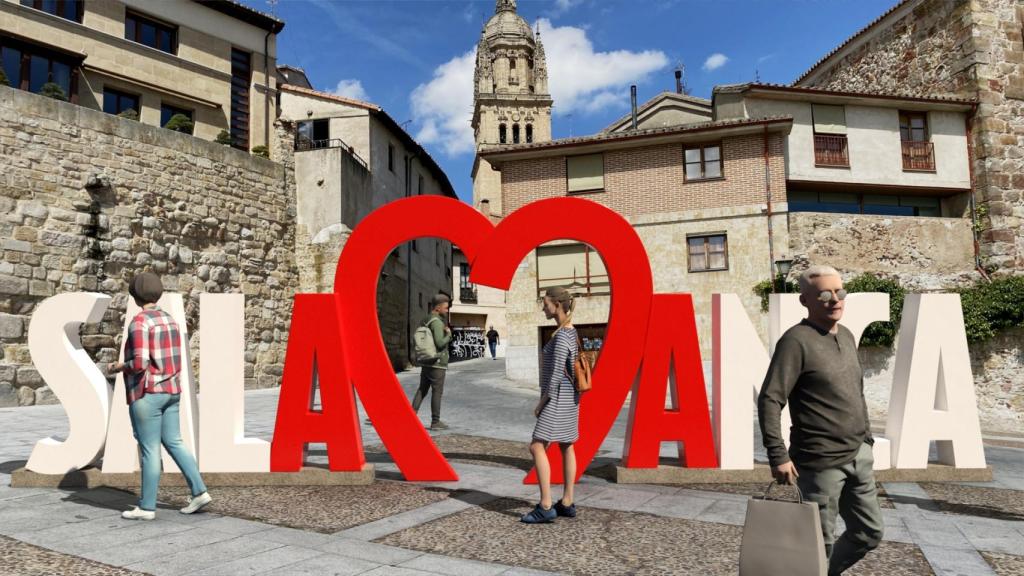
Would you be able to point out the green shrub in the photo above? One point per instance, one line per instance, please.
(992, 306)
(765, 288)
(223, 138)
(53, 90)
(880, 333)
(3, 78)
(129, 114)
(180, 123)
(261, 150)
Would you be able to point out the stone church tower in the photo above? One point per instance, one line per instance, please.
(511, 103)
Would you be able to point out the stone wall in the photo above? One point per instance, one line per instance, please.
(206, 217)
(957, 48)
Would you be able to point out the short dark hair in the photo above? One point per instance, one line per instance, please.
(439, 298)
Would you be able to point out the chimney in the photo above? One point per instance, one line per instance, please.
(632, 97)
(679, 81)
(485, 207)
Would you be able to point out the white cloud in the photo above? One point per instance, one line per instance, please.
(563, 6)
(581, 80)
(715, 61)
(444, 106)
(351, 88)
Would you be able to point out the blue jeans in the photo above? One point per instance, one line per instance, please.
(155, 421)
(494, 348)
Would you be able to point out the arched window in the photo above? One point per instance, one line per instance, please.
(512, 63)
(502, 134)
(515, 133)
(529, 133)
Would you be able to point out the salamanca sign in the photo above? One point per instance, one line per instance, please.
(651, 350)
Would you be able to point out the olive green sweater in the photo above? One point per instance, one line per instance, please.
(441, 340)
(819, 375)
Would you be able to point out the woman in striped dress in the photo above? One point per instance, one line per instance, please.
(558, 410)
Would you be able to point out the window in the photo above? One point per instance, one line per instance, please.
(310, 134)
(152, 33)
(515, 133)
(707, 253)
(918, 152)
(877, 204)
(830, 147)
(704, 162)
(67, 9)
(168, 111)
(116, 102)
(529, 133)
(415, 246)
(512, 63)
(419, 185)
(391, 157)
(467, 290)
(502, 134)
(29, 67)
(584, 173)
(241, 77)
(575, 267)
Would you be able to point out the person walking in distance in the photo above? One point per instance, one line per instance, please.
(815, 370)
(492, 342)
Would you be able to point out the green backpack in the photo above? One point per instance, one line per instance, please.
(424, 348)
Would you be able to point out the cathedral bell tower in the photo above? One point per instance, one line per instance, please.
(511, 103)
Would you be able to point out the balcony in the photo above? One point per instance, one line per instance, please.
(467, 295)
(303, 144)
(918, 156)
(830, 151)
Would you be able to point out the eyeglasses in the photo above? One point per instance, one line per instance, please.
(826, 295)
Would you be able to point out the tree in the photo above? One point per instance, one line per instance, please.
(180, 123)
(53, 90)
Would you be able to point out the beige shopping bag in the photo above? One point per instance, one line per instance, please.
(782, 538)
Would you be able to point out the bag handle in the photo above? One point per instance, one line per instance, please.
(799, 494)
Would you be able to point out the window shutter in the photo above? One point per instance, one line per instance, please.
(829, 119)
(585, 172)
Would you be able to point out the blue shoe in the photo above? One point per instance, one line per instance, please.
(563, 510)
(539, 516)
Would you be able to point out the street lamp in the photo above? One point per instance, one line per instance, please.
(783, 265)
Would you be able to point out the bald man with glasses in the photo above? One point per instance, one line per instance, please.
(815, 370)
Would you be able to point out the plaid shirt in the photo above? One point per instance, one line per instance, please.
(152, 355)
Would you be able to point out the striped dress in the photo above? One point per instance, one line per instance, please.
(559, 419)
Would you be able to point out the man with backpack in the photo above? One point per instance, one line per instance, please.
(431, 354)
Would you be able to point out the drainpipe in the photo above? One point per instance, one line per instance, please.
(768, 192)
(408, 271)
(974, 216)
(266, 92)
(632, 98)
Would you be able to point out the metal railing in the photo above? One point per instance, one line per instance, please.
(918, 155)
(467, 295)
(302, 144)
(830, 150)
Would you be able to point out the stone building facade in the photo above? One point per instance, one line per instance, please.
(511, 102)
(214, 62)
(966, 48)
(679, 218)
(89, 199)
(351, 158)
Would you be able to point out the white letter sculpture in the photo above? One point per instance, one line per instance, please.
(57, 353)
(933, 388)
(223, 446)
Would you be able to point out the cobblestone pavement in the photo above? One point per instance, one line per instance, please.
(470, 527)
(20, 559)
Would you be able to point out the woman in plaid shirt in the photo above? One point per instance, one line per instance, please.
(152, 382)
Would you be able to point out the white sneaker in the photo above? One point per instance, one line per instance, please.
(194, 504)
(137, 513)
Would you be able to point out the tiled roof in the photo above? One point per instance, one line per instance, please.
(733, 88)
(634, 134)
(328, 96)
(244, 13)
(658, 98)
(860, 32)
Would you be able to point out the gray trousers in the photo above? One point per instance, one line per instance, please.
(850, 491)
(431, 380)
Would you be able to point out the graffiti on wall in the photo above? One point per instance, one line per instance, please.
(467, 343)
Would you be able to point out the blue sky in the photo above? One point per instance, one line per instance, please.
(414, 57)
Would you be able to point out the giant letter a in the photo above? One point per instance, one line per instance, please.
(672, 355)
(315, 354)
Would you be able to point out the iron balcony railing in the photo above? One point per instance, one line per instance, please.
(830, 150)
(918, 155)
(303, 144)
(467, 295)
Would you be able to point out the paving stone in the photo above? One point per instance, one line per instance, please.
(201, 556)
(156, 546)
(369, 551)
(955, 562)
(27, 560)
(453, 566)
(293, 537)
(326, 565)
(999, 503)
(262, 562)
